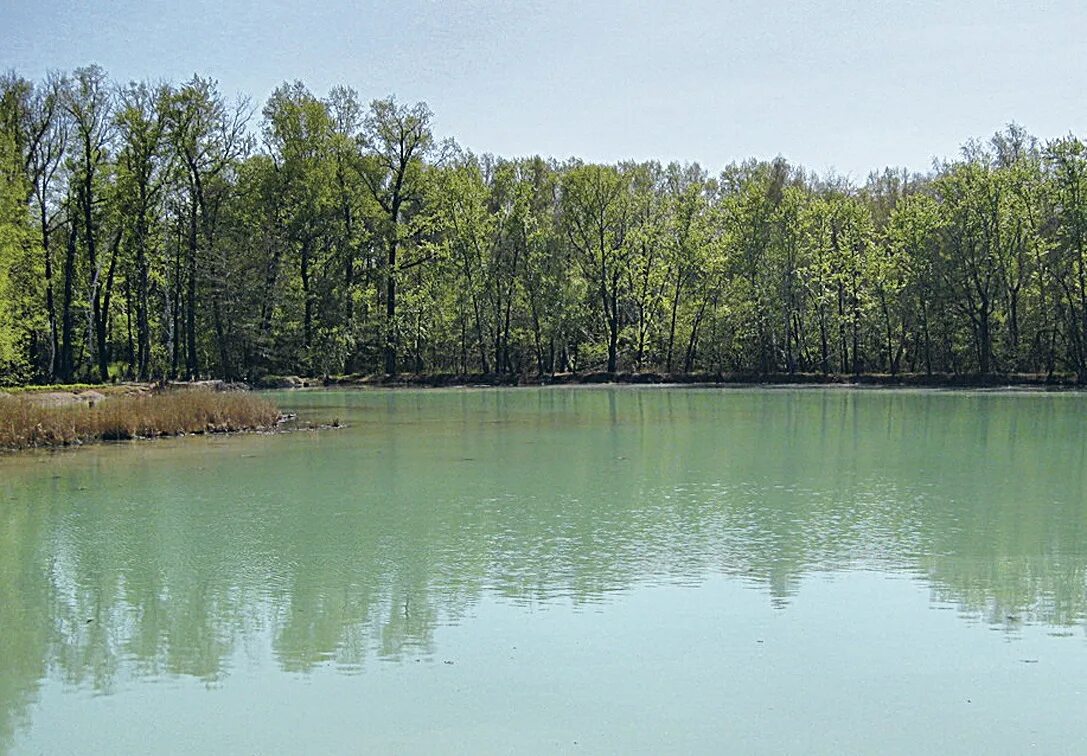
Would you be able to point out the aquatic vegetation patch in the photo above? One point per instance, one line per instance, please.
(27, 422)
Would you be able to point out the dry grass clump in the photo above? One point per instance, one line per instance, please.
(26, 423)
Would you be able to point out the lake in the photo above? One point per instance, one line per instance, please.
(576, 570)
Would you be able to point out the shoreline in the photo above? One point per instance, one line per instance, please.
(1015, 381)
(60, 395)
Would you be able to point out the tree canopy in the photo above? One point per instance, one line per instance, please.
(158, 230)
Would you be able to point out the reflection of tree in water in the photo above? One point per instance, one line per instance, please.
(1010, 592)
(23, 622)
(342, 547)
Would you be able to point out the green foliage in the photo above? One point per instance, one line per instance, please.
(145, 232)
(16, 268)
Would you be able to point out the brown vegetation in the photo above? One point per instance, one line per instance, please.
(26, 422)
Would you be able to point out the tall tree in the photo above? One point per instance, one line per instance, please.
(88, 101)
(596, 219)
(209, 136)
(144, 168)
(398, 138)
(298, 132)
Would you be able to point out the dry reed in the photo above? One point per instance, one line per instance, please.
(26, 423)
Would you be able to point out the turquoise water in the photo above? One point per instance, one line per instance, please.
(598, 570)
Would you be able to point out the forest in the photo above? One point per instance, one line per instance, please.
(154, 230)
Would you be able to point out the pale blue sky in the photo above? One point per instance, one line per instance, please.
(848, 85)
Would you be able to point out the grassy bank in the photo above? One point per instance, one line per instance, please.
(27, 422)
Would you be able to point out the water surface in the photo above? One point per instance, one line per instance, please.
(587, 570)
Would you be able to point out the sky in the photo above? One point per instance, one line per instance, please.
(843, 87)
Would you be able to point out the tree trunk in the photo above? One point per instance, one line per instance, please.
(613, 334)
(307, 317)
(390, 293)
(67, 366)
(192, 364)
(984, 341)
(143, 327)
(102, 324)
(50, 306)
(672, 321)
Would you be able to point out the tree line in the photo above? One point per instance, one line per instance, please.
(155, 230)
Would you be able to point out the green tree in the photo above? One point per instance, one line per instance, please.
(398, 138)
(596, 220)
(143, 170)
(208, 136)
